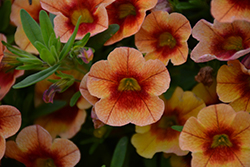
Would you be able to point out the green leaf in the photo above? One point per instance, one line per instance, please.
(69, 44)
(32, 79)
(120, 153)
(46, 27)
(18, 51)
(40, 46)
(177, 128)
(47, 56)
(54, 52)
(5, 14)
(30, 60)
(83, 41)
(30, 27)
(48, 108)
(74, 98)
(30, 67)
(98, 40)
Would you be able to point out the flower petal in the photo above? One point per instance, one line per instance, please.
(230, 10)
(216, 117)
(155, 77)
(65, 156)
(192, 136)
(34, 140)
(142, 111)
(10, 120)
(62, 122)
(2, 146)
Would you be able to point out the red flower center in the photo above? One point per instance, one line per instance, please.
(86, 16)
(42, 162)
(221, 140)
(126, 10)
(166, 39)
(129, 84)
(233, 43)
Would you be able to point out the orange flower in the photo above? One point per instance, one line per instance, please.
(222, 41)
(94, 16)
(10, 122)
(129, 15)
(7, 79)
(164, 36)
(230, 10)
(34, 148)
(178, 161)
(233, 85)
(20, 37)
(160, 137)
(218, 137)
(128, 88)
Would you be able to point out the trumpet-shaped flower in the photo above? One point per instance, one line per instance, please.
(129, 15)
(230, 10)
(233, 85)
(160, 137)
(94, 16)
(128, 88)
(164, 36)
(34, 148)
(10, 122)
(222, 41)
(20, 37)
(219, 136)
(7, 78)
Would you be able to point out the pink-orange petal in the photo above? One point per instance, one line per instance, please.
(155, 76)
(142, 111)
(100, 79)
(192, 131)
(13, 151)
(34, 139)
(2, 146)
(65, 156)
(2, 47)
(32, 9)
(233, 85)
(216, 117)
(62, 122)
(10, 120)
(23, 42)
(7, 80)
(230, 10)
(128, 61)
(85, 92)
(241, 126)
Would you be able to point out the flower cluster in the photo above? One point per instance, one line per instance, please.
(166, 81)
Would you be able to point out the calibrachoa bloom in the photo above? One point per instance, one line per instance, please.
(34, 148)
(7, 76)
(164, 36)
(20, 37)
(160, 137)
(10, 122)
(219, 136)
(129, 15)
(222, 41)
(128, 88)
(94, 16)
(233, 85)
(230, 10)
